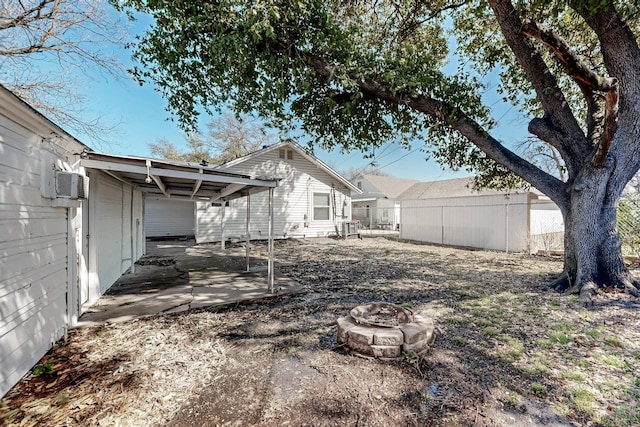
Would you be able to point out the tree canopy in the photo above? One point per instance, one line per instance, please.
(360, 73)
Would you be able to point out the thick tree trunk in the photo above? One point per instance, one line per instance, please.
(593, 256)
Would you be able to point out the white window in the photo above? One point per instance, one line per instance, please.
(285, 154)
(321, 206)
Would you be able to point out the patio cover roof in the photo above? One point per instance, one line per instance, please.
(176, 180)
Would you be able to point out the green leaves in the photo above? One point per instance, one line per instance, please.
(352, 73)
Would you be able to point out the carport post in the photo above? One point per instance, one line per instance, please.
(222, 225)
(270, 263)
(246, 231)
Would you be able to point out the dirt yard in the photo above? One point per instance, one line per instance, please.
(508, 352)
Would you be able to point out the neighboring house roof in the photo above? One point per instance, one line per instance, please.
(297, 148)
(447, 188)
(388, 186)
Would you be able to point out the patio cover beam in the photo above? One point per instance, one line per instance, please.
(197, 185)
(160, 185)
(230, 189)
(172, 173)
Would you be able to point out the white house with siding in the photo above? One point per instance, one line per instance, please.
(71, 223)
(449, 212)
(377, 206)
(311, 200)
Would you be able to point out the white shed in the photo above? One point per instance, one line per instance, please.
(311, 200)
(448, 212)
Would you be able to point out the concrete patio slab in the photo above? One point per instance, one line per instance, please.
(177, 276)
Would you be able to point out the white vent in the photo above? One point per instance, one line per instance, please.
(71, 185)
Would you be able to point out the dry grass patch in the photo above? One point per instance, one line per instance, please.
(507, 349)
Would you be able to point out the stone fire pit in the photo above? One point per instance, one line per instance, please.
(385, 330)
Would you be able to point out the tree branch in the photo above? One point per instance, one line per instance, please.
(577, 70)
(619, 48)
(610, 126)
(27, 16)
(574, 147)
(458, 120)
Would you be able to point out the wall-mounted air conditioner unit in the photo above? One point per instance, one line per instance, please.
(71, 185)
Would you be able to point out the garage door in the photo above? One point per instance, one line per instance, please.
(169, 218)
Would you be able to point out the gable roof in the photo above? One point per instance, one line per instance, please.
(456, 187)
(19, 111)
(301, 151)
(387, 186)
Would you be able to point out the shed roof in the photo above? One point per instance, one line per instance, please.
(178, 180)
(387, 186)
(456, 187)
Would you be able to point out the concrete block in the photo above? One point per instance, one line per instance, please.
(360, 347)
(361, 334)
(413, 333)
(389, 351)
(344, 326)
(388, 336)
(417, 347)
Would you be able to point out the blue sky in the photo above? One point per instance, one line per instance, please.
(139, 115)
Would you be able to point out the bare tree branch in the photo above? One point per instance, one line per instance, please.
(610, 126)
(46, 44)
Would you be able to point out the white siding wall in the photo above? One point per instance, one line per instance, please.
(365, 185)
(166, 217)
(488, 222)
(116, 239)
(293, 203)
(46, 270)
(33, 254)
(547, 227)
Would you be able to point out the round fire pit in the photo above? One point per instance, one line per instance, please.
(385, 330)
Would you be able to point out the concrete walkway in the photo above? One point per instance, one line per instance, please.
(178, 276)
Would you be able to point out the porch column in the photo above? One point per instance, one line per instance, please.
(270, 263)
(246, 230)
(222, 225)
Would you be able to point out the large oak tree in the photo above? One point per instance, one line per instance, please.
(357, 73)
